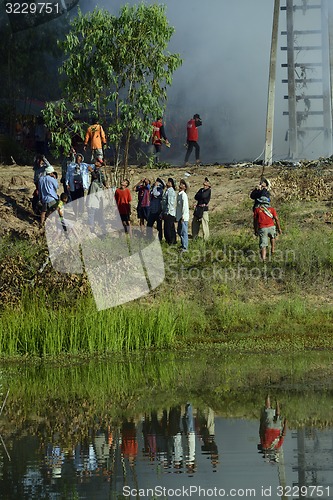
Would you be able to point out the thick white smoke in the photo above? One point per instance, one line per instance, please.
(225, 46)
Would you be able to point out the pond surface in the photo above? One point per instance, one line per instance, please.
(167, 427)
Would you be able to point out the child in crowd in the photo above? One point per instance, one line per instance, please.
(123, 199)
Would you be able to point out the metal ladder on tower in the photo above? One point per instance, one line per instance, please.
(305, 92)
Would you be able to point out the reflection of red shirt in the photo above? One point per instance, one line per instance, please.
(263, 219)
(129, 444)
(123, 199)
(272, 439)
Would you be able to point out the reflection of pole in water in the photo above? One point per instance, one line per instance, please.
(3, 404)
(282, 474)
(5, 448)
(2, 441)
(301, 457)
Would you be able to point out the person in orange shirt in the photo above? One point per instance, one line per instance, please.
(95, 137)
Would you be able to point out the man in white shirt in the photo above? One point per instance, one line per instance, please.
(182, 215)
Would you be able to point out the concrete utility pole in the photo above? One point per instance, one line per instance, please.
(327, 86)
(271, 87)
(330, 46)
(293, 140)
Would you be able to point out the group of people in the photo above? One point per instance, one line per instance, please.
(192, 135)
(159, 203)
(78, 179)
(95, 138)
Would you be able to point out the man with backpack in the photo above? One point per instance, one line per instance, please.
(265, 223)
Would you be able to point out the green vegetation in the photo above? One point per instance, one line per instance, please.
(120, 68)
(217, 294)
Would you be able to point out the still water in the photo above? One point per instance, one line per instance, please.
(158, 428)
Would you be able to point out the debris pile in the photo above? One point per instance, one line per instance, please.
(303, 184)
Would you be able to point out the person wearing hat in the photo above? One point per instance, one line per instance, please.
(182, 215)
(192, 139)
(169, 212)
(200, 215)
(265, 225)
(95, 137)
(47, 191)
(156, 194)
(261, 190)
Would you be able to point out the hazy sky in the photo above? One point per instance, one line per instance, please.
(225, 45)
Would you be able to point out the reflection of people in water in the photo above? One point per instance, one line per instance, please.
(175, 437)
(129, 444)
(206, 424)
(54, 459)
(189, 431)
(272, 431)
(150, 428)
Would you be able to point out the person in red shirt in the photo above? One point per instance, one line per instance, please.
(123, 199)
(158, 138)
(265, 224)
(272, 430)
(192, 139)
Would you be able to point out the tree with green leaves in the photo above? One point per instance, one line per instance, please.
(118, 67)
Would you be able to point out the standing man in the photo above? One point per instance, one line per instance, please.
(182, 215)
(192, 139)
(265, 224)
(77, 182)
(169, 212)
(96, 139)
(47, 191)
(156, 194)
(158, 138)
(200, 215)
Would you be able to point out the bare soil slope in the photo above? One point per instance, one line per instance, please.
(229, 186)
